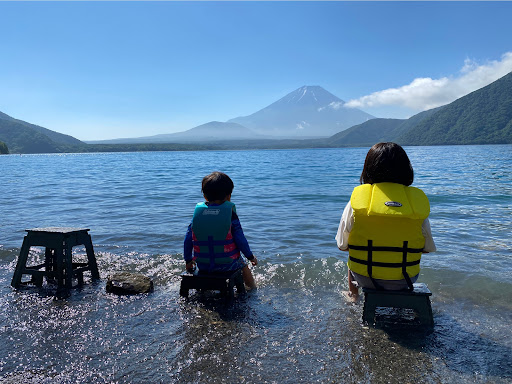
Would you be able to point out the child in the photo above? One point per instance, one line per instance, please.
(215, 235)
(385, 225)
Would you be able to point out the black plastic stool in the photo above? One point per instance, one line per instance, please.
(418, 300)
(58, 265)
(218, 281)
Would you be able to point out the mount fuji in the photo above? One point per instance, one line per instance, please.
(309, 111)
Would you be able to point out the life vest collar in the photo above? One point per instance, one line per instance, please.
(391, 200)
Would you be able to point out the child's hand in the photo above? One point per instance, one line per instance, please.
(191, 266)
(254, 261)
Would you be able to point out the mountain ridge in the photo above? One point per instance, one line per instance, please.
(307, 111)
(213, 130)
(378, 130)
(23, 137)
(481, 117)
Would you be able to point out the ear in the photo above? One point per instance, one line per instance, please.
(229, 197)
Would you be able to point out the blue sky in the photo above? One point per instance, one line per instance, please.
(100, 70)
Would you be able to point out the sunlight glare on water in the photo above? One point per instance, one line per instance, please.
(296, 327)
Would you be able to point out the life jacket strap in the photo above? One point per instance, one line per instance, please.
(384, 264)
(206, 243)
(215, 254)
(404, 267)
(384, 249)
(211, 255)
(404, 250)
(370, 264)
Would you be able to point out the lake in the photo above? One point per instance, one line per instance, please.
(296, 327)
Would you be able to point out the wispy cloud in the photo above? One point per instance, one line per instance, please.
(426, 93)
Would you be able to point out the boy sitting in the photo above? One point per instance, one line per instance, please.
(215, 235)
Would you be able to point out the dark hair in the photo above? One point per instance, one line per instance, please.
(217, 186)
(387, 162)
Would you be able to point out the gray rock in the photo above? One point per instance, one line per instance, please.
(127, 283)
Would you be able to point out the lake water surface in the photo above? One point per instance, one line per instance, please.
(296, 327)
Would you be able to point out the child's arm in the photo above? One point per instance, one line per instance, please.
(240, 240)
(187, 250)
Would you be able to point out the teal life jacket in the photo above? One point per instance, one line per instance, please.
(214, 246)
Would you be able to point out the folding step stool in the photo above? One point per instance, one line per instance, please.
(223, 282)
(58, 265)
(418, 300)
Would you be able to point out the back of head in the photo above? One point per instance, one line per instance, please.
(217, 186)
(387, 162)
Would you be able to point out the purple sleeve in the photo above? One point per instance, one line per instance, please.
(187, 245)
(239, 237)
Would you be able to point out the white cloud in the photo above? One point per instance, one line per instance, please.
(426, 93)
(332, 105)
(302, 125)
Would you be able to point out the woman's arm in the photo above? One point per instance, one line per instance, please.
(346, 223)
(430, 246)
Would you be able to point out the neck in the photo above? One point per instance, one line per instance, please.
(218, 202)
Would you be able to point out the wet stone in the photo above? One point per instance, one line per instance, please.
(127, 283)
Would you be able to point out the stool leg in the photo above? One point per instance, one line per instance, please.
(430, 314)
(68, 265)
(80, 277)
(91, 259)
(224, 290)
(239, 283)
(231, 286)
(184, 288)
(49, 263)
(21, 264)
(59, 272)
(49, 260)
(424, 311)
(368, 309)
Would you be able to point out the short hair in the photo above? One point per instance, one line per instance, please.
(387, 162)
(217, 186)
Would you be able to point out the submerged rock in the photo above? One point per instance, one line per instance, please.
(127, 283)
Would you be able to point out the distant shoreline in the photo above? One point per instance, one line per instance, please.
(226, 146)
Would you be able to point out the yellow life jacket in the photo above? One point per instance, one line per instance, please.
(386, 240)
